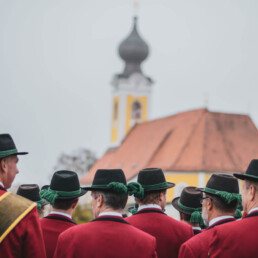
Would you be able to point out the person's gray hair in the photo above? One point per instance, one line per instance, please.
(112, 200)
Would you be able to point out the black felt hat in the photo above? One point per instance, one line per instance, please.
(31, 192)
(221, 182)
(7, 146)
(189, 200)
(104, 177)
(64, 185)
(153, 179)
(224, 186)
(251, 172)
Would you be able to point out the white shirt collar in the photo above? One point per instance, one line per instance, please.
(213, 221)
(110, 213)
(253, 209)
(196, 228)
(61, 213)
(147, 206)
(2, 184)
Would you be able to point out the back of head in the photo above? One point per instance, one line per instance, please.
(64, 189)
(111, 184)
(154, 183)
(223, 190)
(189, 205)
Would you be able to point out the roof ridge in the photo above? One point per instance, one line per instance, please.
(189, 137)
(174, 115)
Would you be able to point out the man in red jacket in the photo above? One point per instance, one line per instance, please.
(220, 200)
(109, 235)
(20, 232)
(239, 239)
(169, 233)
(63, 194)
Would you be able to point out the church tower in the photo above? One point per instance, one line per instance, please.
(131, 88)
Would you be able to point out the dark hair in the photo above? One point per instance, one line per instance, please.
(186, 217)
(64, 204)
(221, 205)
(151, 197)
(112, 200)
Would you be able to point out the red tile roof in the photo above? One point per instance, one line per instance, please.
(197, 140)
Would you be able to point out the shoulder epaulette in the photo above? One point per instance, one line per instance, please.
(13, 208)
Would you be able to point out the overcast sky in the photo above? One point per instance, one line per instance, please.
(57, 59)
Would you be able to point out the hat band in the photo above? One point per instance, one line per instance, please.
(252, 176)
(226, 196)
(51, 195)
(8, 152)
(118, 187)
(196, 216)
(191, 209)
(155, 186)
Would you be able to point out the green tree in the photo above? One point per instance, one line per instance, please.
(82, 213)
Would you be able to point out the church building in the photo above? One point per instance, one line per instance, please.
(187, 146)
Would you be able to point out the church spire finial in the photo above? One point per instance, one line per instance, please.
(133, 50)
(135, 8)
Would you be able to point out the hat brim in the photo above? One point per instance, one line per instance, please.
(203, 191)
(98, 189)
(21, 153)
(45, 187)
(175, 205)
(17, 153)
(245, 177)
(169, 185)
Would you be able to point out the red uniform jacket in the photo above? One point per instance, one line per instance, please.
(52, 226)
(237, 239)
(169, 233)
(106, 236)
(198, 246)
(25, 240)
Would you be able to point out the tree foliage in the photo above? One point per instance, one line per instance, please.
(79, 161)
(82, 214)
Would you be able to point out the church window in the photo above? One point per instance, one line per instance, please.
(115, 114)
(136, 110)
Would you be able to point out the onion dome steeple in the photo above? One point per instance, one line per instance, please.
(133, 50)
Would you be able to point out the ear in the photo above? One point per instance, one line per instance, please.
(162, 195)
(99, 200)
(3, 165)
(74, 204)
(252, 192)
(209, 204)
(181, 215)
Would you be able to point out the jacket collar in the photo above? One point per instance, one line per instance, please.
(222, 220)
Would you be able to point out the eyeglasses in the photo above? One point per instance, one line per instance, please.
(201, 200)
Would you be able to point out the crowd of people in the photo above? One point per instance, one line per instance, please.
(215, 221)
